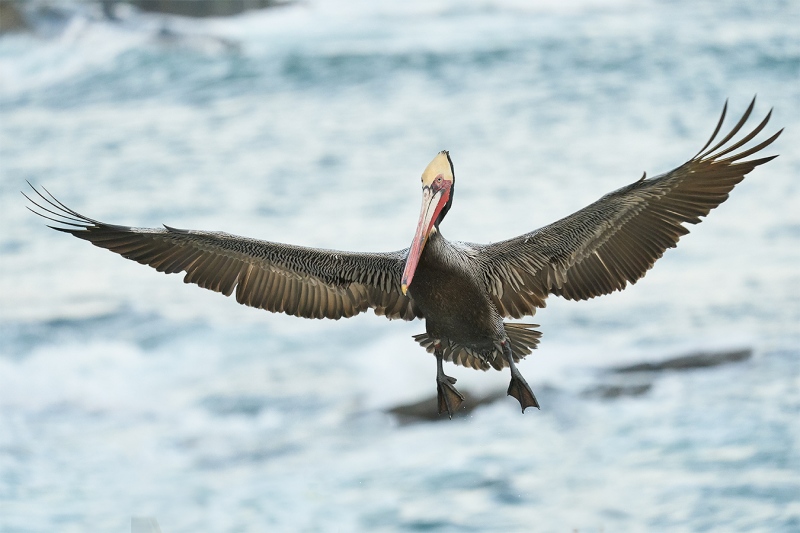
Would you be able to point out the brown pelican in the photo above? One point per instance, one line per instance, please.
(464, 291)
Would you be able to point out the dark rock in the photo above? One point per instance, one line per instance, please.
(689, 362)
(11, 19)
(612, 392)
(204, 8)
(427, 410)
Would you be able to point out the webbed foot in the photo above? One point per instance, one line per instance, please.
(449, 398)
(518, 388)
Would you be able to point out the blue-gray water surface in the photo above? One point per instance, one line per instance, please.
(124, 392)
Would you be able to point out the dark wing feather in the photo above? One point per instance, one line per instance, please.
(281, 278)
(617, 239)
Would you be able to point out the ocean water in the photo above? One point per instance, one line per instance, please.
(124, 392)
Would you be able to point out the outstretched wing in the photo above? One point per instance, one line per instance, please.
(281, 278)
(617, 239)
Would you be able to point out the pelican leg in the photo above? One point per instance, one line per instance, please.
(449, 398)
(518, 388)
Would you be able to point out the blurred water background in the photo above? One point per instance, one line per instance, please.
(125, 392)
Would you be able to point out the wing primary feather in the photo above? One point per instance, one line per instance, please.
(735, 129)
(751, 151)
(66, 230)
(746, 138)
(62, 220)
(756, 162)
(65, 208)
(716, 130)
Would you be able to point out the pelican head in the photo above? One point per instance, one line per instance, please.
(438, 180)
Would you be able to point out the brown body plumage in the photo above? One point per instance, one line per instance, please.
(462, 290)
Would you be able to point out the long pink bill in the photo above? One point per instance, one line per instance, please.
(431, 206)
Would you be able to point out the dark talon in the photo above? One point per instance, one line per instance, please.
(449, 398)
(519, 388)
